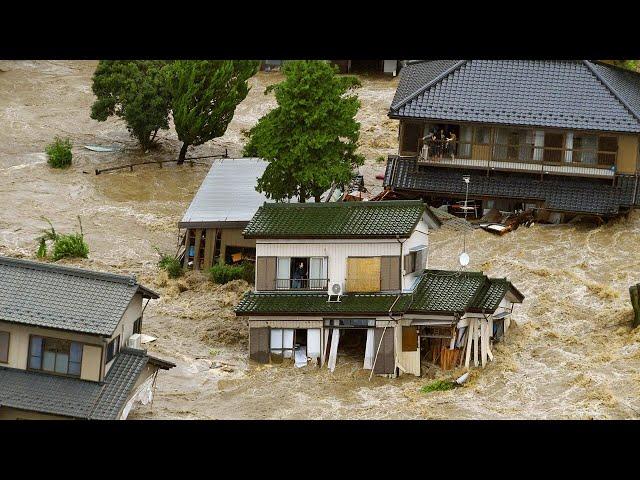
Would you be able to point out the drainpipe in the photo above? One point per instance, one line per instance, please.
(401, 265)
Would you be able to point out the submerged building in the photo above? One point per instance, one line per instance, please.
(552, 135)
(70, 343)
(355, 273)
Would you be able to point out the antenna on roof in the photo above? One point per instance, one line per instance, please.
(464, 256)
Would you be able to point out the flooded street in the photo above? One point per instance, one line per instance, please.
(572, 353)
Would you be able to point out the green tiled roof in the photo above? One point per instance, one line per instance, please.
(439, 291)
(336, 219)
(446, 291)
(315, 303)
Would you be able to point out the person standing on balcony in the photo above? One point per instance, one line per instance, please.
(298, 275)
(451, 143)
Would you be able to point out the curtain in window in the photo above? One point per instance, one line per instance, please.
(283, 273)
(568, 145)
(538, 143)
(317, 272)
(526, 144)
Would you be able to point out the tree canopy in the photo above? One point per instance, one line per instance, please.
(136, 91)
(310, 138)
(204, 95)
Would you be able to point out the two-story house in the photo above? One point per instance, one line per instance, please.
(556, 136)
(70, 343)
(354, 273)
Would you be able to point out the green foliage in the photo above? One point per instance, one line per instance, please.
(70, 245)
(137, 92)
(310, 138)
(223, 273)
(628, 64)
(380, 159)
(171, 265)
(204, 95)
(59, 153)
(438, 385)
(64, 245)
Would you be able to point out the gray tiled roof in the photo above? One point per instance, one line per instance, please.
(569, 194)
(72, 397)
(65, 298)
(537, 93)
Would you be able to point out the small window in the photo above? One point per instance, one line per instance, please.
(4, 347)
(416, 259)
(482, 135)
(112, 349)
(137, 325)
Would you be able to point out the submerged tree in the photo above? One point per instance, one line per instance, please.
(204, 95)
(310, 138)
(136, 91)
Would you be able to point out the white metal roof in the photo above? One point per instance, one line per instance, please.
(227, 196)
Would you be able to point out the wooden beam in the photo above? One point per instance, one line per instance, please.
(476, 353)
(187, 240)
(209, 242)
(196, 254)
(469, 342)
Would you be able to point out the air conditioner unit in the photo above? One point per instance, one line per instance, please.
(334, 291)
(134, 341)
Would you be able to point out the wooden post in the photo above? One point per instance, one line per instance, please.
(196, 254)
(187, 241)
(470, 330)
(209, 242)
(476, 353)
(483, 341)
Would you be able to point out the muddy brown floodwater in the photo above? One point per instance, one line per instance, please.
(572, 353)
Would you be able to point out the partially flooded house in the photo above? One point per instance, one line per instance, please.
(70, 343)
(559, 137)
(220, 210)
(351, 279)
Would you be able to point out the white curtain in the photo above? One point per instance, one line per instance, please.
(466, 136)
(568, 145)
(284, 272)
(313, 343)
(539, 143)
(317, 271)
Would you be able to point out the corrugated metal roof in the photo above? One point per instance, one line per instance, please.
(575, 94)
(227, 196)
(73, 299)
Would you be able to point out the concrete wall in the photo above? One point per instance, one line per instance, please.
(627, 161)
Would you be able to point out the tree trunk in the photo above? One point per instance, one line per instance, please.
(302, 195)
(183, 153)
(317, 197)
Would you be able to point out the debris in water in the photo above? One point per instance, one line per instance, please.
(98, 148)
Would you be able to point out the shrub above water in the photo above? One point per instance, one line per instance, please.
(222, 273)
(59, 153)
(171, 265)
(70, 245)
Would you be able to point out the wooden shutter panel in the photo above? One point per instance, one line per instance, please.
(409, 263)
(259, 344)
(409, 339)
(390, 273)
(266, 273)
(363, 274)
(386, 362)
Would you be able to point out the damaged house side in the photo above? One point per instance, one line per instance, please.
(329, 274)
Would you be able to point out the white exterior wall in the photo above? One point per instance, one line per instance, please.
(420, 236)
(338, 250)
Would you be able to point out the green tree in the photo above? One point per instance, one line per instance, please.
(205, 94)
(310, 138)
(628, 64)
(136, 91)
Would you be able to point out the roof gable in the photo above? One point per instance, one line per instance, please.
(64, 298)
(384, 219)
(537, 93)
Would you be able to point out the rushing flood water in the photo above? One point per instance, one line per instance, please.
(572, 353)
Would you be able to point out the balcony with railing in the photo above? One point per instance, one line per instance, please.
(302, 283)
(526, 158)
